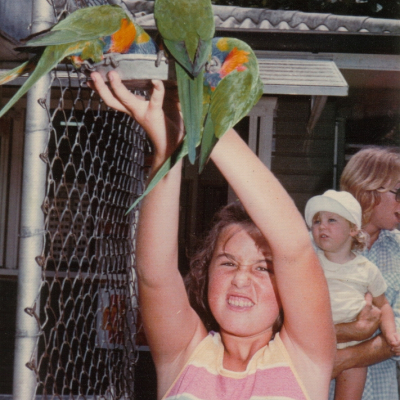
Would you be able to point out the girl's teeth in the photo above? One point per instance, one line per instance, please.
(240, 302)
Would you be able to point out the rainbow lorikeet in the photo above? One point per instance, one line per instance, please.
(86, 34)
(231, 87)
(187, 28)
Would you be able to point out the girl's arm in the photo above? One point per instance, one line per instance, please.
(308, 330)
(172, 327)
(388, 325)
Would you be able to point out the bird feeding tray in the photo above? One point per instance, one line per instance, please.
(136, 70)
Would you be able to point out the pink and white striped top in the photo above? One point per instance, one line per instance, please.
(270, 375)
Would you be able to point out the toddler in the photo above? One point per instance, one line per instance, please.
(335, 222)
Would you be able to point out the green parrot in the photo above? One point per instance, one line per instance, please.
(231, 87)
(87, 33)
(187, 28)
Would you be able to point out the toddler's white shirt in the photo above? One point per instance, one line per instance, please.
(348, 283)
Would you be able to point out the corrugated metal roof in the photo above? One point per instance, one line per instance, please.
(242, 18)
(302, 77)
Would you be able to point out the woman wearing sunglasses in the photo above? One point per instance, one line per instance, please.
(373, 177)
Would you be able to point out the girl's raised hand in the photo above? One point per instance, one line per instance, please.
(165, 130)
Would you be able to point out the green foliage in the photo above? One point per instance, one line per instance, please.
(371, 8)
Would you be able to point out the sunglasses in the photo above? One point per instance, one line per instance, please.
(397, 193)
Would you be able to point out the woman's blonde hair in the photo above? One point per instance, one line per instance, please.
(369, 173)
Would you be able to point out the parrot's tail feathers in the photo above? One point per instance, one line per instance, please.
(203, 55)
(191, 98)
(33, 78)
(208, 142)
(26, 67)
(177, 155)
(50, 58)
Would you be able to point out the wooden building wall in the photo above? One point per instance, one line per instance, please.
(303, 162)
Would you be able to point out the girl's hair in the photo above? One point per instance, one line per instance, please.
(196, 280)
(368, 173)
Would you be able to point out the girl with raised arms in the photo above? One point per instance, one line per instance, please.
(259, 262)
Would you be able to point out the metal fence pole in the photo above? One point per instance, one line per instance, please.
(32, 219)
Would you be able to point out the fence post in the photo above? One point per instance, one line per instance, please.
(32, 219)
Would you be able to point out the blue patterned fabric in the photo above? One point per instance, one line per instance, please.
(381, 381)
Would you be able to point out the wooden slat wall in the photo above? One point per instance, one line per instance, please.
(303, 163)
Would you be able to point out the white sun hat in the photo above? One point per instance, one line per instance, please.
(341, 203)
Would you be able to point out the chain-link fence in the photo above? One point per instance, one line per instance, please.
(86, 309)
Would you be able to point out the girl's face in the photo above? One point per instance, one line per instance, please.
(242, 291)
(385, 215)
(332, 233)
